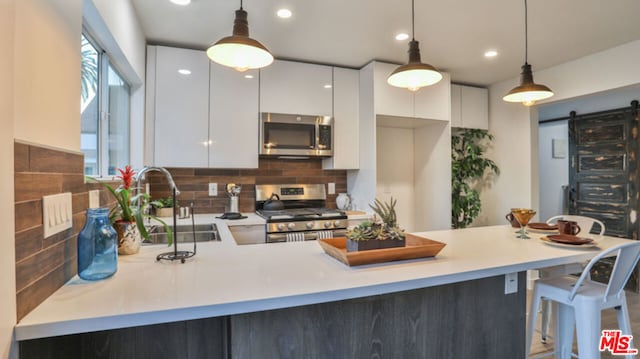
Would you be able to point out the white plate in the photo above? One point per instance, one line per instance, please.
(591, 245)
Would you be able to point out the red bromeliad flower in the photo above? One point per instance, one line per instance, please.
(126, 176)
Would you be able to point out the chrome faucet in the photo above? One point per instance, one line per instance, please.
(140, 176)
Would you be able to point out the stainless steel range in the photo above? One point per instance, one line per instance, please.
(297, 212)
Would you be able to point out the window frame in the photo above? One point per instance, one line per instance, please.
(104, 63)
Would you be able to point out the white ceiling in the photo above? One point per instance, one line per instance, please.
(453, 34)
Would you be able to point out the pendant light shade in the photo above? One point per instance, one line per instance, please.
(239, 50)
(414, 74)
(528, 92)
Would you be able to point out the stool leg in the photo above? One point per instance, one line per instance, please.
(533, 314)
(545, 315)
(623, 321)
(565, 320)
(588, 330)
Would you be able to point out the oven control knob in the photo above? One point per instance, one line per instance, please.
(291, 226)
(327, 224)
(281, 227)
(336, 224)
(309, 225)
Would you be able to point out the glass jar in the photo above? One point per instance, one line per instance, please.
(97, 246)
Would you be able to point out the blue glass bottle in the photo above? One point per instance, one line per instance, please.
(97, 246)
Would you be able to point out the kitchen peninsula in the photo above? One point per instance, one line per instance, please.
(291, 300)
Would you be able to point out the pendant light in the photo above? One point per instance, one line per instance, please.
(414, 74)
(239, 50)
(528, 92)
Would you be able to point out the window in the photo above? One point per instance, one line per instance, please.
(104, 107)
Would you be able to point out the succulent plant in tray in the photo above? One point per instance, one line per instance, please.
(378, 234)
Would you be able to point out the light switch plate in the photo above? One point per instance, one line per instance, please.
(332, 188)
(94, 198)
(510, 283)
(213, 189)
(57, 213)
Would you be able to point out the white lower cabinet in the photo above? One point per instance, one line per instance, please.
(249, 234)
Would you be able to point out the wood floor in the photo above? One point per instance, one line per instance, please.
(609, 321)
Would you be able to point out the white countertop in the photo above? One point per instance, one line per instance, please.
(225, 279)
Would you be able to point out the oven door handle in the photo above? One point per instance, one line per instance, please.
(308, 236)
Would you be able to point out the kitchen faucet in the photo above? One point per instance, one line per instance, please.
(175, 254)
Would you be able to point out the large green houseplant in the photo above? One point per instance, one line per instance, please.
(468, 166)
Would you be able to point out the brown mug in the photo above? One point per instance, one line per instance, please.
(568, 227)
(512, 219)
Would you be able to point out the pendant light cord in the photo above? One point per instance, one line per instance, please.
(526, 33)
(241, 4)
(413, 22)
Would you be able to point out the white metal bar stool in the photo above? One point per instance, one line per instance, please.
(581, 300)
(586, 224)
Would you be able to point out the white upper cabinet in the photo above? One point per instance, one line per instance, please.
(390, 100)
(180, 106)
(296, 88)
(469, 107)
(233, 126)
(431, 102)
(345, 122)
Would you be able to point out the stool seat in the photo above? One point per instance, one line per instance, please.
(580, 301)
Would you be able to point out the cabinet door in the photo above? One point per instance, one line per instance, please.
(233, 126)
(345, 113)
(181, 107)
(296, 88)
(390, 100)
(433, 102)
(474, 107)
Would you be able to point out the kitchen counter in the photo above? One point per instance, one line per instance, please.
(227, 279)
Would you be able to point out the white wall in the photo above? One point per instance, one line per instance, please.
(432, 168)
(553, 171)
(516, 127)
(7, 243)
(395, 148)
(47, 72)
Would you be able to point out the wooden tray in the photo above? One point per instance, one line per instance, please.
(417, 247)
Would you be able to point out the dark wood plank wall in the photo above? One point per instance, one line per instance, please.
(44, 264)
(467, 320)
(193, 182)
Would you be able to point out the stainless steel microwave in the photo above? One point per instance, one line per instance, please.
(295, 135)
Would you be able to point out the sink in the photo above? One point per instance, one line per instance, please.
(203, 233)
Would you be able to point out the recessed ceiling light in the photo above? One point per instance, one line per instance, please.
(248, 76)
(402, 36)
(181, 2)
(327, 86)
(284, 13)
(184, 72)
(491, 53)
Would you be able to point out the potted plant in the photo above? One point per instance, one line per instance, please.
(468, 166)
(163, 207)
(378, 234)
(127, 216)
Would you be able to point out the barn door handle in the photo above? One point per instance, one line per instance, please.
(572, 195)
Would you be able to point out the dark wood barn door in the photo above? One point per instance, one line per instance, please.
(603, 174)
